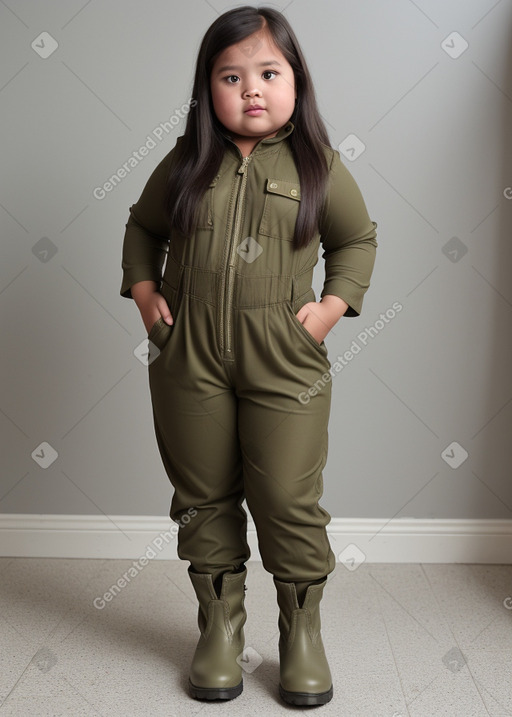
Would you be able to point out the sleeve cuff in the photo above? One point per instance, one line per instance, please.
(133, 276)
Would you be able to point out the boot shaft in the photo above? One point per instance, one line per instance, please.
(228, 607)
(309, 613)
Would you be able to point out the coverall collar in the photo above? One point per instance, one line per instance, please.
(283, 132)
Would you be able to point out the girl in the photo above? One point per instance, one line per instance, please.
(239, 208)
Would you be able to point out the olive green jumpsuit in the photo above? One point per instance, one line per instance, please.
(230, 380)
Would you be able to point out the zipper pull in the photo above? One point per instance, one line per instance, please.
(243, 166)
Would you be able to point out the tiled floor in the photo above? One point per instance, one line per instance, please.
(417, 640)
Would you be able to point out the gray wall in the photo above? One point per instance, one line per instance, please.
(434, 174)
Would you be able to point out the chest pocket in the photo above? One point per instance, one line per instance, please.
(205, 216)
(280, 209)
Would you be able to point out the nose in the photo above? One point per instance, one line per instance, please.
(252, 93)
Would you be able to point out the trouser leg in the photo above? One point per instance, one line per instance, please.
(195, 419)
(284, 453)
(284, 443)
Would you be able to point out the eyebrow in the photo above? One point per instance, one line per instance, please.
(224, 68)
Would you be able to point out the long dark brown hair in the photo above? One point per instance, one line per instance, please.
(199, 152)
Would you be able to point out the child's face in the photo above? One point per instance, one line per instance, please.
(251, 72)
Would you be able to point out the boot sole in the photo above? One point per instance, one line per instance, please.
(215, 693)
(306, 698)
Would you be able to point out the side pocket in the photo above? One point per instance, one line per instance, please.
(321, 348)
(160, 333)
(158, 338)
(155, 330)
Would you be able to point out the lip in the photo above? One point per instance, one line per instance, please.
(254, 109)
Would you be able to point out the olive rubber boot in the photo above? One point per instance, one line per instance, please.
(215, 674)
(305, 677)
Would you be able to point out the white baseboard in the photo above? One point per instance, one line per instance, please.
(353, 541)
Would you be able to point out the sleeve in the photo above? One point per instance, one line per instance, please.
(146, 238)
(347, 235)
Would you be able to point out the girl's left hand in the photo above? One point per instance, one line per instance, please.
(318, 317)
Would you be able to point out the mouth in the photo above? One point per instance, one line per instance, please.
(254, 109)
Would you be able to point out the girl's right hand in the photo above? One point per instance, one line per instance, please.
(151, 304)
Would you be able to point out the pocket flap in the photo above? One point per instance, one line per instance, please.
(284, 188)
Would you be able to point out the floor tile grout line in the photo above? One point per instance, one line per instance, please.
(397, 670)
(455, 641)
(405, 609)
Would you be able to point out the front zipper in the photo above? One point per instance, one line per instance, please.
(225, 313)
